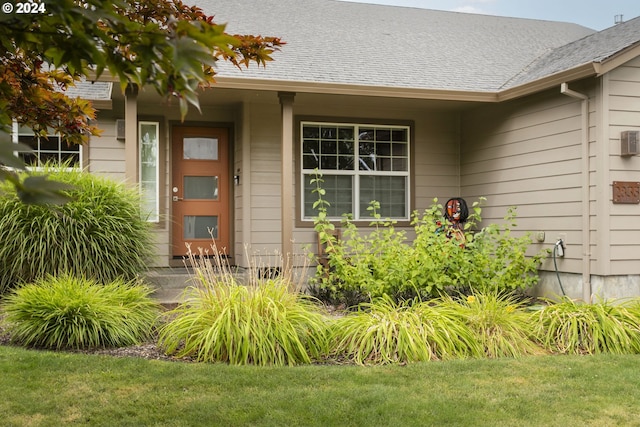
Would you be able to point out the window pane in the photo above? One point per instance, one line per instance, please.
(400, 135)
(383, 135)
(400, 165)
(200, 148)
(197, 227)
(311, 146)
(345, 133)
(339, 193)
(332, 150)
(329, 163)
(49, 157)
(310, 161)
(148, 203)
(71, 159)
(390, 191)
(51, 143)
(31, 141)
(400, 149)
(29, 159)
(345, 163)
(309, 131)
(329, 132)
(201, 187)
(329, 147)
(149, 187)
(367, 134)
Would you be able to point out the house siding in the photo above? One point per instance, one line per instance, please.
(106, 153)
(526, 153)
(623, 96)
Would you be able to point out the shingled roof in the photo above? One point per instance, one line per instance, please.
(359, 45)
(331, 41)
(594, 48)
(95, 91)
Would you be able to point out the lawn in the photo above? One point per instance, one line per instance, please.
(41, 388)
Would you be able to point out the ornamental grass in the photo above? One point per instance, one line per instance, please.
(262, 323)
(499, 323)
(571, 327)
(73, 313)
(384, 332)
(99, 234)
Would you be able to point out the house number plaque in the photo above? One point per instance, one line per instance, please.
(626, 192)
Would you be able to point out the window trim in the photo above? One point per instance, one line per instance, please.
(307, 222)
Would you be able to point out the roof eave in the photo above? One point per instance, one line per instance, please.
(617, 59)
(576, 73)
(350, 89)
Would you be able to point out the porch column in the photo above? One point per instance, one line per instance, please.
(131, 134)
(286, 191)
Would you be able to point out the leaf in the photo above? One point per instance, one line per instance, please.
(39, 190)
(8, 157)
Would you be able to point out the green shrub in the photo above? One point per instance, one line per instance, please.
(99, 234)
(384, 332)
(71, 313)
(365, 266)
(569, 327)
(264, 323)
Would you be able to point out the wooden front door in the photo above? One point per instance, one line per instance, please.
(200, 188)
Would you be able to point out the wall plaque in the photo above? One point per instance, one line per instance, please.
(626, 192)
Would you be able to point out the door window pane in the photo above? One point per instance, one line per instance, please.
(200, 227)
(201, 187)
(200, 148)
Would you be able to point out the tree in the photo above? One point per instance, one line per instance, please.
(165, 44)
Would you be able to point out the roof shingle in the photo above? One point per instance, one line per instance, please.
(332, 41)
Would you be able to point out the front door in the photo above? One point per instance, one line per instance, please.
(200, 188)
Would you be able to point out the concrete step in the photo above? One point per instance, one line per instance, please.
(170, 283)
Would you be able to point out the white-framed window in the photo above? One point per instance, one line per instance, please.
(52, 149)
(359, 163)
(149, 134)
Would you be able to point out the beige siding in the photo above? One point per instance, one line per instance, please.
(624, 114)
(106, 153)
(265, 223)
(526, 153)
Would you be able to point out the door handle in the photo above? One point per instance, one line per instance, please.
(176, 198)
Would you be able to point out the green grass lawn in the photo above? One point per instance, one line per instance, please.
(40, 388)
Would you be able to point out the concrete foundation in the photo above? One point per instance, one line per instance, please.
(602, 287)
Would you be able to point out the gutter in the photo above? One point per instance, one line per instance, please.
(490, 96)
(586, 242)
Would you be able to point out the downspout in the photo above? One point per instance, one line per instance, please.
(586, 243)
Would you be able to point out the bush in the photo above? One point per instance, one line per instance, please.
(499, 323)
(569, 327)
(385, 332)
(72, 313)
(99, 234)
(365, 266)
(264, 323)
